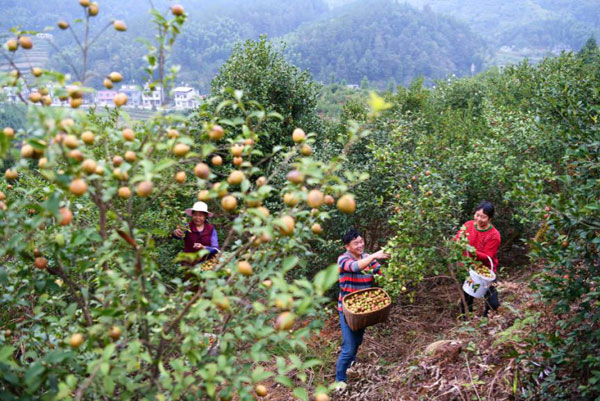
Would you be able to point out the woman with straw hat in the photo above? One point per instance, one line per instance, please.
(199, 234)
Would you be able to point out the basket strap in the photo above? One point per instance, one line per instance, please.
(491, 263)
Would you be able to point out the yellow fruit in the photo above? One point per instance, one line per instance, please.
(8, 132)
(287, 225)
(144, 188)
(99, 170)
(25, 42)
(203, 195)
(295, 176)
(85, 3)
(245, 268)
(89, 166)
(120, 175)
(237, 161)
(75, 102)
(346, 204)
(130, 156)
(65, 216)
(124, 193)
(12, 45)
(181, 149)
(267, 283)
(321, 397)
(93, 9)
(216, 132)
(260, 181)
(180, 177)
(115, 76)
(236, 150)
(235, 177)
(37, 71)
(316, 228)
(115, 333)
(76, 340)
(216, 160)
(290, 199)
(201, 170)
(264, 211)
(2, 196)
(172, 133)
(26, 151)
(108, 84)
(306, 150)
(315, 198)
(329, 200)
(70, 141)
(229, 203)
(298, 135)
(222, 303)
(177, 9)
(11, 174)
(128, 134)
(35, 97)
(78, 187)
(63, 25)
(120, 99)
(46, 100)
(40, 262)
(261, 390)
(221, 192)
(120, 25)
(284, 321)
(76, 154)
(117, 161)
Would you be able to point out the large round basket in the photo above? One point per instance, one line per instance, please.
(357, 321)
(477, 285)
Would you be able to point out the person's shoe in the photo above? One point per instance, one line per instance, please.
(339, 387)
(353, 369)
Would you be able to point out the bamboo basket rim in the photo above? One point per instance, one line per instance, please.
(365, 290)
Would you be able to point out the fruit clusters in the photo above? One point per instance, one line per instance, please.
(367, 301)
(483, 271)
(209, 264)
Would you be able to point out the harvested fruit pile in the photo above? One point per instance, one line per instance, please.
(209, 264)
(483, 271)
(367, 301)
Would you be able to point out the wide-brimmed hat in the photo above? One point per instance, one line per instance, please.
(198, 207)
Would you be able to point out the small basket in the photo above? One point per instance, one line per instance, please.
(476, 285)
(357, 321)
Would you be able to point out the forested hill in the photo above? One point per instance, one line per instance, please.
(384, 41)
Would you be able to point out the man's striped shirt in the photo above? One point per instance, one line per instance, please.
(352, 278)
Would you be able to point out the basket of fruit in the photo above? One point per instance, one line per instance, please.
(366, 307)
(479, 280)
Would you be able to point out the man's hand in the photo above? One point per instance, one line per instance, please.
(380, 254)
(198, 245)
(178, 232)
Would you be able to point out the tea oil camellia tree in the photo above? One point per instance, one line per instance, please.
(86, 310)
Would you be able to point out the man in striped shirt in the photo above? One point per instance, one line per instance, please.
(356, 270)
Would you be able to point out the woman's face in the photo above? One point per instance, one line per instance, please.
(482, 219)
(198, 218)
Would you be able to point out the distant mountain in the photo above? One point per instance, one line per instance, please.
(385, 41)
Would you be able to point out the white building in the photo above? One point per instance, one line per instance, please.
(152, 98)
(185, 97)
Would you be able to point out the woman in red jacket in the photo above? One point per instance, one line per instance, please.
(484, 237)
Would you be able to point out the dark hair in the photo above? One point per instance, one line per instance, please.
(487, 208)
(350, 235)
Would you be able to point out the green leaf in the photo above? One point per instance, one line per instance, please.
(300, 392)
(6, 353)
(289, 263)
(326, 278)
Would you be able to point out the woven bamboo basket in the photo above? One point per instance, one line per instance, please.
(357, 321)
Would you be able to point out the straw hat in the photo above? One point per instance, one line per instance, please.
(198, 207)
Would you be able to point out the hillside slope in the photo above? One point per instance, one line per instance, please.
(383, 40)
